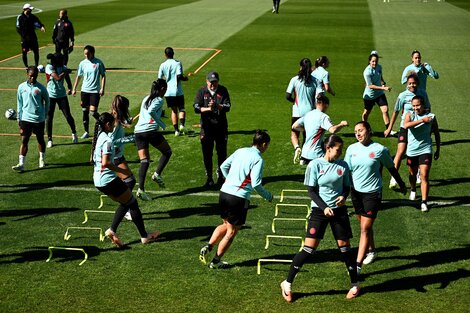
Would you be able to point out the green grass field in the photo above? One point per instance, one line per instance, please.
(423, 263)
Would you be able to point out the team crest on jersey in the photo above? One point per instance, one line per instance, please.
(66, 24)
(36, 91)
(372, 155)
(94, 65)
(340, 172)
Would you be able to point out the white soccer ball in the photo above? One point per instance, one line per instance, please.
(10, 114)
(41, 68)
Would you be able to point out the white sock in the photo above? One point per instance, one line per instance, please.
(42, 155)
(21, 159)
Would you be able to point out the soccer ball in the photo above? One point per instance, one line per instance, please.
(10, 114)
(41, 68)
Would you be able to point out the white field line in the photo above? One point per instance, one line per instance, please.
(216, 194)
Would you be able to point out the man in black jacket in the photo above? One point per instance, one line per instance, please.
(26, 24)
(213, 102)
(63, 35)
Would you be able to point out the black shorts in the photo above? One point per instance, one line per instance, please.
(380, 100)
(143, 140)
(233, 209)
(422, 159)
(293, 120)
(119, 160)
(28, 128)
(115, 188)
(89, 99)
(339, 223)
(403, 135)
(366, 203)
(175, 102)
(27, 45)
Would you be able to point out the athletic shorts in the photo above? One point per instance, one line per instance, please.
(423, 159)
(28, 128)
(366, 203)
(119, 160)
(175, 102)
(294, 119)
(61, 102)
(143, 140)
(380, 100)
(403, 135)
(89, 99)
(27, 45)
(339, 223)
(115, 188)
(233, 209)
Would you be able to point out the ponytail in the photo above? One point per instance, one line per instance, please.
(102, 120)
(305, 73)
(157, 85)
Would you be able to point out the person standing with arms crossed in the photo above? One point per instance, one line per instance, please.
(172, 71)
(26, 24)
(243, 172)
(63, 35)
(32, 107)
(94, 81)
(212, 102)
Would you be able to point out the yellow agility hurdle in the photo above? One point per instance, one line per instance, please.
(272, 261)
(67, 235)
(85, 213)
(273, 225)
(283, 191)
(286, 205)
(284, 237)
(69, 249)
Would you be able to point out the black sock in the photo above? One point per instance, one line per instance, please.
(136, 215)
(163, 161)
(144, 167)
(216, 259)
(175, 126)
(298, 261)
(182, 121)
(118, 216)
(348, 259)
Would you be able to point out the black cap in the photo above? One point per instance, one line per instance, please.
(213, 76)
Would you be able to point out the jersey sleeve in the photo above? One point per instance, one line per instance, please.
(311, 175)
(386, 158)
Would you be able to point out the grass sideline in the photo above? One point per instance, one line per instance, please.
(423, 263)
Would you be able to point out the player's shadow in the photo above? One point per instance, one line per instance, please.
(38, 186)
(41, 254)
(204, 209)
(454, 142)
(25, 214)
(289, 178)
(450, 181)
(184, 192)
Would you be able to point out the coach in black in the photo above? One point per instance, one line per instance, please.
(63, 35)
(213, 102)
(26, 24)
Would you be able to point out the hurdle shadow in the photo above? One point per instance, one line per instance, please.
(25, 214)
(185, 192)
(39, 186)
(35, 254)
(289, 178)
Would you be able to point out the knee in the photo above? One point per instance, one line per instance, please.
(168, 153)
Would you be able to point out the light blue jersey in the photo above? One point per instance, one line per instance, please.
(169, 70)
(32, 102)
(332, 178)
(372, 77)
(365, 163)
(423, 72)
(304, 96)
(419, 137)
(322, 77)
(91, 71)
(55, 88)
(101, 174)
(119, 138)
(150, 118)
(315, 123)
(403, 103)
(243, 173)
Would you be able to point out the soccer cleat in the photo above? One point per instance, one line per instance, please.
(221, 265)
(143, 195)
(158, 179)
(41, 163)
(370, 257)
(177, 133)
(150, 238)
(303, 162)
(297, 154)
(182, 130)
(286, 291)
(85, 135)
(209, 183)
(203, 254)
(353, 292)
(74, 138)
(128, 216)
(18, 168)
(393, 183)
(393, 133)
(49, 144)
(412, 195)
(114, 237)
(424, 207)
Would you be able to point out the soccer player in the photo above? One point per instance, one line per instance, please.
(374, 90)
(423, 70)
(403, 106)
(213, 102)
(32, 107)
(366, 159)
(63, 35)
(420, 124)
(56, 74)
(94, 81)
(106, 181)
(243, 173)
(315, 123)
(301, 92)
(276, 4)
(172, 71)
(322, 76)
(26, 25)
(146, 134)
(328, 183)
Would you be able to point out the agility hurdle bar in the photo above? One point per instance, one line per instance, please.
(273, 227)
(67, 235)
(85, 213)
(69, 249)
(283, 191)
(270, 260)
(286, 205)
(284, 237)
